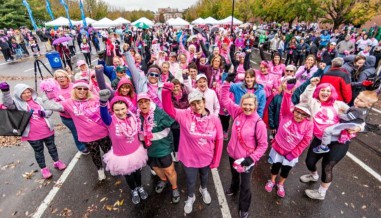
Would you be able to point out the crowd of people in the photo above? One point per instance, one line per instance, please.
(166, 95)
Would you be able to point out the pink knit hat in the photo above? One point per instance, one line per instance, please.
(143, 95)
(116, 99)
(81, 83)
(80, 63)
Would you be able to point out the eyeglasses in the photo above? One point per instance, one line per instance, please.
(80, 89)
(301, 114)
(289, 71)
(61, 77)
(154, 75)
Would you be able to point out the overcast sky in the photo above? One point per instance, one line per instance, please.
(152, 5)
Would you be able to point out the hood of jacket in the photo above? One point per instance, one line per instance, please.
(18, 90)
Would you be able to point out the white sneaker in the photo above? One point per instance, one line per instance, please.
(101, 174)
(205, 195)
(309, 178)
(314, 194)
(189, 204)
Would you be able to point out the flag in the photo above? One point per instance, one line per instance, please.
(26, 4)
(82, 13)
(67, 12)
(48, 9)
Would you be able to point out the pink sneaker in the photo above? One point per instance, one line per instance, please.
(269, 186)
(281, 192)
(59, 165)
(46, 173)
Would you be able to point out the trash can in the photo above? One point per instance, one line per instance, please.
(54, 59)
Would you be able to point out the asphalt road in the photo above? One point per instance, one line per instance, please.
(355, 192)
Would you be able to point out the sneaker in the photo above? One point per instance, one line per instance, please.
(135, 196)
(46, 173)
(175, 196)
(281, 192)
(309, 178)
(59, 165)
(143, 194)
(205, 195)
(243, 214)
(320, 149)
(230, 192)
(269, 186)
(101, 174)
(160, 186)
(314, 194)
(85, 151)
(189, 204)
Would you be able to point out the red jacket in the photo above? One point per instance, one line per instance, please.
(341, 80)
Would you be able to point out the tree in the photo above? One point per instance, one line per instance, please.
(161, 18)
(13, 14)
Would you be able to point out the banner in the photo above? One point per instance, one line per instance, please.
(48, 9)
(26, 4)
(67, 12)
(82, 13)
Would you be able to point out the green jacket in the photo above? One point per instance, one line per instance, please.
(162, 142)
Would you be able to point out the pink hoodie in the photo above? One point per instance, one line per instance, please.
(292, 137)
(269, 81)
(247, 125)
(201, 138)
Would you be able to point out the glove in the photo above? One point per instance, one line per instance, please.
(291, 83)
(4, 86)
(104, 95)
(367, 83)
(168, 85)
(247, 162)
(289, 157)
(230, 77)
(41, 113)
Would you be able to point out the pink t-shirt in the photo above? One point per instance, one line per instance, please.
(62, 96)
(325, 117)
(87, 119)
(39, 128)
(124, 135)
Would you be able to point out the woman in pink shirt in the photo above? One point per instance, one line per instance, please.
(307, 70)
(201, 141)
(324, 110)
(248, 143)
(293, 135)
(127, 155)
(83, 108)
(40, 129)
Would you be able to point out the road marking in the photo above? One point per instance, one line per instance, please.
(253, 62)
(94, 60)
(221, 194)
(49, 198)
(378, 111)
(28, 69)
(364, 166)
(4, 63)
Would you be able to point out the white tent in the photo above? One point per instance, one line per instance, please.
(198, 21)
(143, 20)
(228, 20)
(120, 21)
(103, 23)
(178, 22)
(61, 21)
(170, 20)
(211, 20)
(89, 20)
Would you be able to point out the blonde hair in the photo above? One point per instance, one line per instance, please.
(89, 95)
(248, 96)
(370, 96)
(62, 72)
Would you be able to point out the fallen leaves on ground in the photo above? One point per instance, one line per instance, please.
(10, 165)
(66, 212)
(29, 175)
(7, 141)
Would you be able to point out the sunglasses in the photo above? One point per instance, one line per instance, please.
(304, 115)
(289, 71)
(154, 75)
(80, 89)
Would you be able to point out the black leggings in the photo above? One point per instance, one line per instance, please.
(95, 150)
(134, 179)
(330, 159)
(87, 58)
(225, 122)
(285, 170)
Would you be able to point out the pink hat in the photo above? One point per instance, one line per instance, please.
(80, 63)
(81, 83)
(143, 95)
(116, 99)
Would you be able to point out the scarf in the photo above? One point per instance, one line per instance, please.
(145, 128)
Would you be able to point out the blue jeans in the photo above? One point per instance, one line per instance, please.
(38, 147)
(68, 122)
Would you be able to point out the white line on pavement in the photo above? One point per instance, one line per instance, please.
(94, 60)
(364, 166)
(221, 194)
(253, 62)
(378, 111)
(49, 198)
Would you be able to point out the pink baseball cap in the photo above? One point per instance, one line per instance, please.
(143, 95)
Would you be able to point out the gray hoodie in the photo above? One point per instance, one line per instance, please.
(16, 102)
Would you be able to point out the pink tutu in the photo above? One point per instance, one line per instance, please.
(127, 164)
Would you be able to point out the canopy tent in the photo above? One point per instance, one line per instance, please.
(143, 20)
(228, 20)
(89, 20)
(211, 20)
(103, 23)
(61, 21)
(120, 21)
(170, 20)
(198, 21)
(178, 22)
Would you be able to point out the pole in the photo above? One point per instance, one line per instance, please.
(231, 27)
